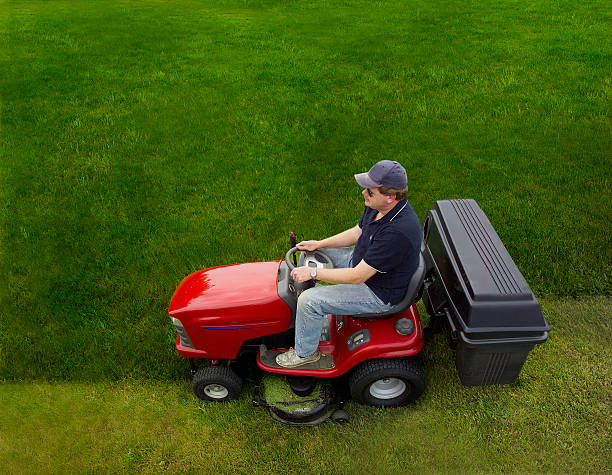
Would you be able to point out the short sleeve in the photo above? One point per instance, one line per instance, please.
(363, 215)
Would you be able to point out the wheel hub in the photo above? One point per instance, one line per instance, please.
(216, 391)
(387, 388)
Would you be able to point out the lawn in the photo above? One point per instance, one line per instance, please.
(143, 140)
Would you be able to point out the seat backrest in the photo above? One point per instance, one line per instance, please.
(412, 293)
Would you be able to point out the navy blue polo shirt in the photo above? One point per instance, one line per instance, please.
(390, 245)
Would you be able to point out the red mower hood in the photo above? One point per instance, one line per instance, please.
(227, 289)
(222, 307)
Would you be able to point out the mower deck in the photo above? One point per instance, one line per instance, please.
(268, 358)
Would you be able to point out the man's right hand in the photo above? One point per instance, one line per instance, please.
(308, 245)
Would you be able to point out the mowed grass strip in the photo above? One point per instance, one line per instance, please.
(553, 419)
(144, 140)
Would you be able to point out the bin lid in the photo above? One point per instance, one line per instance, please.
(488, 270)
(495, 296)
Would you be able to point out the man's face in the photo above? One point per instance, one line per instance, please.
(376, 200)
(373, 197)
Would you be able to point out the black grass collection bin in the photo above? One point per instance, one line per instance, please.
(474, 289)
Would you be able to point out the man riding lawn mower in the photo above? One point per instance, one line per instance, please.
(364, 332)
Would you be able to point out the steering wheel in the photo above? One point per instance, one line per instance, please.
(317, 255)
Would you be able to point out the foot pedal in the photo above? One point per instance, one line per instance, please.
(268, 358)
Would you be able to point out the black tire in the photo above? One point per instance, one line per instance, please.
(340, 416)
(388, 382)
(217, 384)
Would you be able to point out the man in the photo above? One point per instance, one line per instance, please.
(373, 276)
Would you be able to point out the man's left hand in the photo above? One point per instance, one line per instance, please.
(301, 274)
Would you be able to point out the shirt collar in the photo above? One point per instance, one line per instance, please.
(393, 212)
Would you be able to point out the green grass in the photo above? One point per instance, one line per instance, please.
(143, 140)
(553, 419)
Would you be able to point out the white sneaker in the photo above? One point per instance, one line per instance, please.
(289, 359)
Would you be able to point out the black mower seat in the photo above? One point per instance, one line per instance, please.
(415, 286)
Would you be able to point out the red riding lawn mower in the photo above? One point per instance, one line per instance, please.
(229, 316)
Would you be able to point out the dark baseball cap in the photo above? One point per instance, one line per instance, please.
(385, 173)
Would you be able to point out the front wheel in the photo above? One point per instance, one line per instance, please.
(388, 382)
(216, 383)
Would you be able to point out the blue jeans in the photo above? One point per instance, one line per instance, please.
(341, 299)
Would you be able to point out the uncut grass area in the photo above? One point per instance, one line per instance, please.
(141, 141)
(553, 419)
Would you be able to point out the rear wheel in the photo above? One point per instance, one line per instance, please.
(216, 383)
(388, 382)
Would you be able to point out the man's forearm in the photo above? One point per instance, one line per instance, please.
(341, 275)
(344, 239)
